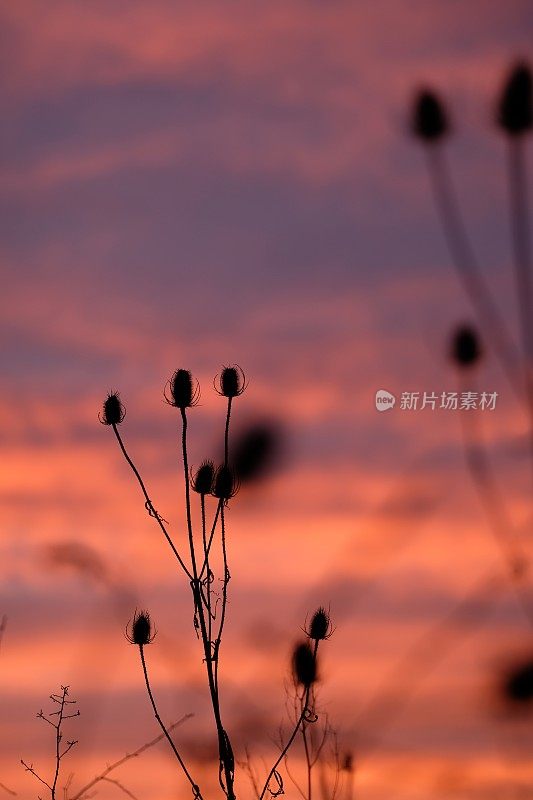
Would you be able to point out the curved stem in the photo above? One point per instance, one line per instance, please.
(224, 746)
(480, 468)
(153, 512)
(292, 737)
(522, 262)
(465, 262)
(195, 787)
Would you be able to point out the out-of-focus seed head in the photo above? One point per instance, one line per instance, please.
(518, 684)
(113, 412)
(304, 666)
(465, 347)
(141, 630)
(225, 485)
(320, 627)
(184, 391)
(255, 450)
(515, 113)
(231, 381)
(347, 762)
(203, 480)
(429, 118)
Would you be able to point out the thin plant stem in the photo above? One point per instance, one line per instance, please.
(467, 267)
(211, 536)
(149, 505)
(492, 500)
(116, 764)
(426, 653)
(194, 786)
(224, 550)
(208, 576)
(521, 245)
(226, 433)
(224, 593)
(305, 709)
(307, 759)
(223, 739)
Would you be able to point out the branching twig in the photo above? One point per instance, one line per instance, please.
(116, 764)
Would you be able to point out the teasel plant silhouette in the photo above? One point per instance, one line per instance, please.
(466, 352)
(305, 677)
(212, 485)
(430, 123)
(63, 711)
(314, 740)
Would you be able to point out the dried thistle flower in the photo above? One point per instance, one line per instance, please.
(304, 664)
(231, 381)
(141, 630)
(203, 481)
(515, 113)
(429, 120)
(184, 393)
(320, 627)
(113, 412)
(465, 347)
(225, 485)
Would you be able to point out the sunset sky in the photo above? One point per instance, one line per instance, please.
(199, 184)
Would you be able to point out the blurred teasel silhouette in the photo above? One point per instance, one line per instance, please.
(304, 664)
(430, 121)
(517, 684)
(514, 112)
(465, 349)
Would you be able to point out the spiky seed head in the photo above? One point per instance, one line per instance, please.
(141, 630)
(304, 664)
(231, 381)
(113, 412)
(184, 393)
(320, 627)
(429, 119)
(203, 480)
(466, 348)
(225, 485)
(515, 113)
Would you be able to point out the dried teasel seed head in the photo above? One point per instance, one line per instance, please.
(231, 381)
(141, 630)
(204, 477)
(429, 118)
(304, 666)
(113, 412)
(465, 347)
(515, 113)
(320, 627)
(225, 485)
(184, 391)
